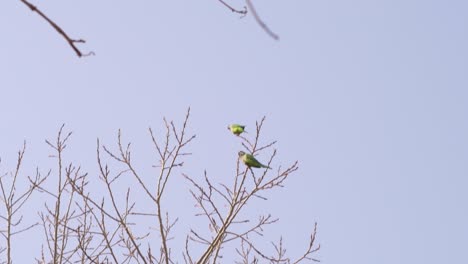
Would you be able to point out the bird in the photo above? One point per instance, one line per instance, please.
(236, 129)
(250, 161)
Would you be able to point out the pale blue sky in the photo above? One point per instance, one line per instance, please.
(370, 96)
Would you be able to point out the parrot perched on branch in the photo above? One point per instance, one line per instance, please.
(236, 129)
(250, 161)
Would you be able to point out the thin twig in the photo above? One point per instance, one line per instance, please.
(260, 21)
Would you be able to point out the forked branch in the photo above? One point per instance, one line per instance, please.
(72, 42)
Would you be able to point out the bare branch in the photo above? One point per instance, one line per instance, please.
(70, 41)
(260, 21)
(238, 11)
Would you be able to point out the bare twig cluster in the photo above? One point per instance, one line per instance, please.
(13, 198)
(85, 228)
(126, 221)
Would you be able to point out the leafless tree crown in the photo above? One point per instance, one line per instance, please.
(81, 226)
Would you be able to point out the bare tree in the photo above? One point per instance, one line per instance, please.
(13, 198)
(120, 223)
(73, 43)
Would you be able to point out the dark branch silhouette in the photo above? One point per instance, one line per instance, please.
(260, 21)
(72, 42)
(250, 6)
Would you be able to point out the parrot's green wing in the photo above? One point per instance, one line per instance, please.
(236, 129)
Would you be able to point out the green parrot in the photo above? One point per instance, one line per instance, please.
(251, 161)
(236, 129)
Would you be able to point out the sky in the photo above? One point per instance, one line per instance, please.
(369, 96)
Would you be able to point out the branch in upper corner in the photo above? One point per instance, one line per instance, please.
(71, 42)
(238, 11)
(257, 18)
(260, 21)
